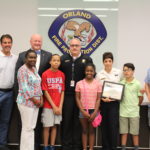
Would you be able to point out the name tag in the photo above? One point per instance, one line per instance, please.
(72, 83)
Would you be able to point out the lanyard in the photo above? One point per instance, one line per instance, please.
(73, 70)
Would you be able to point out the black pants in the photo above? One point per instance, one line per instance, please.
(110, 125)
(71, 128)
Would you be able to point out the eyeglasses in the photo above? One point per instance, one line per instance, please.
(127, 70)
(74, 45)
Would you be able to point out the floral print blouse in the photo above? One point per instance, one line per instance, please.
(29, 86)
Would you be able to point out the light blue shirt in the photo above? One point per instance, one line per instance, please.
(147, 79)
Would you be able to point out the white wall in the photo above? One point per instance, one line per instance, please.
(134, 35)
(18, 18)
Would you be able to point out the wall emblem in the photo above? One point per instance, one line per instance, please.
(77, 23)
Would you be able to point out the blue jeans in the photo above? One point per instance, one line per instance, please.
(6, 103)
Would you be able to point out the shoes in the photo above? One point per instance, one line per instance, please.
(48, 148)
(123, 147)
(51, 148)
(136, 147)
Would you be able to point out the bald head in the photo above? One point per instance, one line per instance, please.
(75, 40)
(75, 47)
(36, 42)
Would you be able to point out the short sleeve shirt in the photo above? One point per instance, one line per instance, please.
(88, 93)
(129, 106)
(29, 86)
(53, 82)
(113, 76)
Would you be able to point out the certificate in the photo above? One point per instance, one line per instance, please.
(112, 90)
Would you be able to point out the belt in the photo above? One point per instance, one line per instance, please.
(6, 90)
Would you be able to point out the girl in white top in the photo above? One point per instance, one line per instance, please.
(109, 108)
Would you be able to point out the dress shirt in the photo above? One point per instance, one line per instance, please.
(7, 70)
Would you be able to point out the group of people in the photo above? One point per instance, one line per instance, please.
(50, 88)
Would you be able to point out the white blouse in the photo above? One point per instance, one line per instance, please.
(114, 75)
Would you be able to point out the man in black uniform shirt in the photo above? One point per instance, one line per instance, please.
(72, 65)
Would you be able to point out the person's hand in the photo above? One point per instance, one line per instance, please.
(142, 91)
(107, 100)
(85, 114)
(92, 116)
(56, 110)
(37, 102)
(60, 111)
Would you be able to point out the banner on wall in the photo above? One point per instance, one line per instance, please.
(77, 23)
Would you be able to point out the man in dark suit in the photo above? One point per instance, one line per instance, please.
(44, 56)
(42, 64)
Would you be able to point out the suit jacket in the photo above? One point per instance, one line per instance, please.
(44, 65)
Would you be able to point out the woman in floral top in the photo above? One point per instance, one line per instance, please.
(29, 99)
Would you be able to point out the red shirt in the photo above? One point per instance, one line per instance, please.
(53, 82)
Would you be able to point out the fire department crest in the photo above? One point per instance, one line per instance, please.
(77, 23)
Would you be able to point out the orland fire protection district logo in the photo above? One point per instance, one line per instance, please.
(77, 23)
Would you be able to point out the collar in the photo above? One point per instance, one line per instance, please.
(2, 54)
(38, 52)
(105, 72)
(74, 58)
(130, 82)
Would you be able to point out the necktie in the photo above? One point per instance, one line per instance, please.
(38, 52)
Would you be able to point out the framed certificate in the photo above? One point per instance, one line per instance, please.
(112, 90)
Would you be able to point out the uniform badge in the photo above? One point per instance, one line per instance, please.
(83, 60)
(67, 60)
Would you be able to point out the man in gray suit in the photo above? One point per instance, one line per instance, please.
(42, 64)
